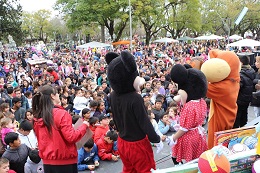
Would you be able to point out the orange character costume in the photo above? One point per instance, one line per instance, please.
(223, 91)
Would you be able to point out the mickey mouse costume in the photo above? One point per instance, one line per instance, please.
(129, 114)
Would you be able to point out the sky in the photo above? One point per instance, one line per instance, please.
(35, 5)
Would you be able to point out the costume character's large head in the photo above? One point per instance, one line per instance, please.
(191, 80)
(122, 72)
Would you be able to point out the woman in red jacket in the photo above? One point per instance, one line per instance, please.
(54, 131)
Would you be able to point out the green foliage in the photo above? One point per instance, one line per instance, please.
(183, 15)
(37, 24)
(10, 15)
(111, 14)
(151, 14)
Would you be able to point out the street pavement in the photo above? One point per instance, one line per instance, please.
(162, 159)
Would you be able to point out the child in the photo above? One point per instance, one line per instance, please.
(29, 115)
(17, 153)
(80, 102)
(4, 166)
(105, 146)
(87, 153)
(174, 118)
(102, 129)
(6, 127)
(164, 123)
(93, 104)
(34, 164)
(10, 115)
(27, 135)
(85, 114)
(93, 121)
(28, 95)
(158, 110)
(155, 125)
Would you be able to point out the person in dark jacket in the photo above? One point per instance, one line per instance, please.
(256, 99)
(247, 75)
(17, 153)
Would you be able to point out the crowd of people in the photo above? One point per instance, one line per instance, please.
(74, 84)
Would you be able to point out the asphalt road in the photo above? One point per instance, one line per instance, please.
(163, 159)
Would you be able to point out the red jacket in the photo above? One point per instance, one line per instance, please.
(100, 132)
(105, 150)
(58, 148)
(55, 75)
(93, 129)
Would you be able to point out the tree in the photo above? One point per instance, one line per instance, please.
(183, 15)
(10, 15)
(110, 14)
(151, 14)
(37, 24)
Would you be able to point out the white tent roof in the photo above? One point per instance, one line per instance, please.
(235, 37)
(245, 42)
(166, 40)
(93, 45)
(209, 37)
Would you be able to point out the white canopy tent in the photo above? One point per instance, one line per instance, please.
(166, 40)
(93, 44)
(235, 37)
(245, 42)
(209, 37)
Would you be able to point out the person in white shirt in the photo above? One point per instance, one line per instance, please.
(80, 102)
(27, 135)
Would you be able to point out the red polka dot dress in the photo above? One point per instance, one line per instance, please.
(192, 144)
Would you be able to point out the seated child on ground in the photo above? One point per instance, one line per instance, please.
(4, 166)
(102, 129)
(164, 123)
(85, 114)
(173, 117)
(155, 125)
(17, 153)
(105, 146)
(87, 155)
(34, 164)
(6, 127)
(93, 121)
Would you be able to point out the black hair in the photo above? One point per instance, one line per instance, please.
(93, 103)
(26, 125)
(34, 156)
(75, 118)
(11, 137)
(85, 110)
(89, 143)
(27, 93)
(245, 60)
(159, 96)
(42, 105)
(158, 100)
(112, 135)
(93, 120)
(161, 116)
(10, 90)
(112, 125)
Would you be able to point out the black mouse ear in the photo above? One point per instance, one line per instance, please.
(179, 74)
(110, 56)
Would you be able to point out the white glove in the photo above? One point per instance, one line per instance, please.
(159, 147)
(170, 141)
(176, 127)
